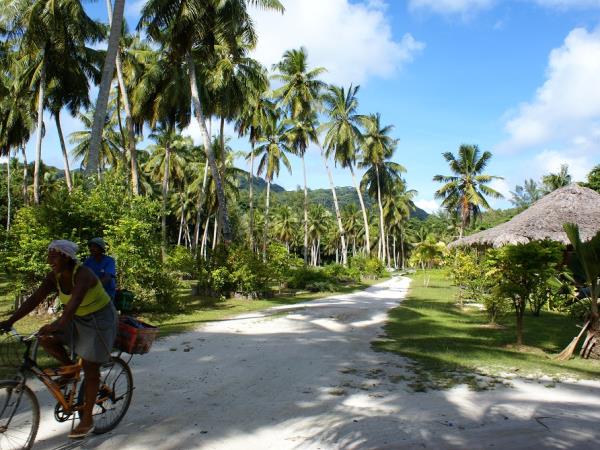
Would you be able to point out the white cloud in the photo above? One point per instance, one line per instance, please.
(501, 186)
(430, 206)
(564, 114)
(353, 41)
(549, 161)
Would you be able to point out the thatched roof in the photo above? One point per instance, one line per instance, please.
(544, 220)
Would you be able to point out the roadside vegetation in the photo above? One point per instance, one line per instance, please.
(452, 344)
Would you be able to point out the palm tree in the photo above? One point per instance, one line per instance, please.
(378, 146)
(285, 224)
(524, 196)
(110, 151)
(554, 181)
(353, 225)
(189, 30)
(72, 93)
(299, 94)
(116, 23)
(397, 206)
(54, 37)
(272, 152)
(257, 111)
(319, 224)
(342, 136)
(464, 192)
(167, 162)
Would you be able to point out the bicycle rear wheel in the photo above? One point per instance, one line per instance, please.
(19, 416)
(114, 395)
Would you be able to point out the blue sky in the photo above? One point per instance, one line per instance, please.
(519, 78)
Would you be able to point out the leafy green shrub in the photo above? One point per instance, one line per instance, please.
(519, 270)
(281, 263)
(181, 263)
(341, 274)
(321, 286)
(250, 276)
(302, 277)
(367, 267)
(374, 268)
(135, 244)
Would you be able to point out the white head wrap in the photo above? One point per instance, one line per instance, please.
(65, 247)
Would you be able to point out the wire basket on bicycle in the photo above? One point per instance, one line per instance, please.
(11, 353)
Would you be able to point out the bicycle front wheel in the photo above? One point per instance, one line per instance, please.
(114, 395)
(19, 416)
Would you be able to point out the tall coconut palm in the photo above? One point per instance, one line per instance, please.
(319, 224)
(189, 31)
(54, 37)
(124, 95)
(378, 146)
(397, 206)
(343, 135)
(272, 151)
(71, 92)
(299, 94)
(464, 191)
(110, 151)
(285, 224)
(167, 162)
(116, 23)
(257, 111)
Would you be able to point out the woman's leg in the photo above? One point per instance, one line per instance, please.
(55, 348)
(91, 372)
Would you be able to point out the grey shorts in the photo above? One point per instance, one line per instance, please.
(92, 337)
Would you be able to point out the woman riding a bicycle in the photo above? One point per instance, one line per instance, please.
(88, 324)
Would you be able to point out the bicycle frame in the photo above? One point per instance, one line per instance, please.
(30, 365)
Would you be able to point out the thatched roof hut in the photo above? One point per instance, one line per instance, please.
(544, 220)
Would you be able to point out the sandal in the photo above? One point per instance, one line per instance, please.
(80, 433)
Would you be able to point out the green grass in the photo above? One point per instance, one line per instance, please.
(451, 345)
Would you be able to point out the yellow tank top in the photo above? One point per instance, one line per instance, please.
(94, 300)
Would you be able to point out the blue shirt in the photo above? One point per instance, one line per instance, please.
(106, 266)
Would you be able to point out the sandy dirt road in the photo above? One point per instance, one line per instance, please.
(305, 377)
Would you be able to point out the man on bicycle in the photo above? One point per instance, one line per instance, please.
(88, 324)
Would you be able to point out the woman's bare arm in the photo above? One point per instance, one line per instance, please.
(46, 288)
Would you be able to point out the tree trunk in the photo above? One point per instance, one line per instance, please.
(8, 196)
(364, 212)
(402, 249)
(215, 231)
(305, 213)
(135, 179)
(221, 198)
(25, 196)
(337, 210)
(165, 196)
(394, 247)
(251, 199)
(199, 207)
(205, 237)
(64, 151)
(104, 89)
(519, 326)
(181, 224)
(40, 132)
(381, 227)
(266, 229)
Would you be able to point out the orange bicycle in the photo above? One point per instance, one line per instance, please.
(19, 407)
